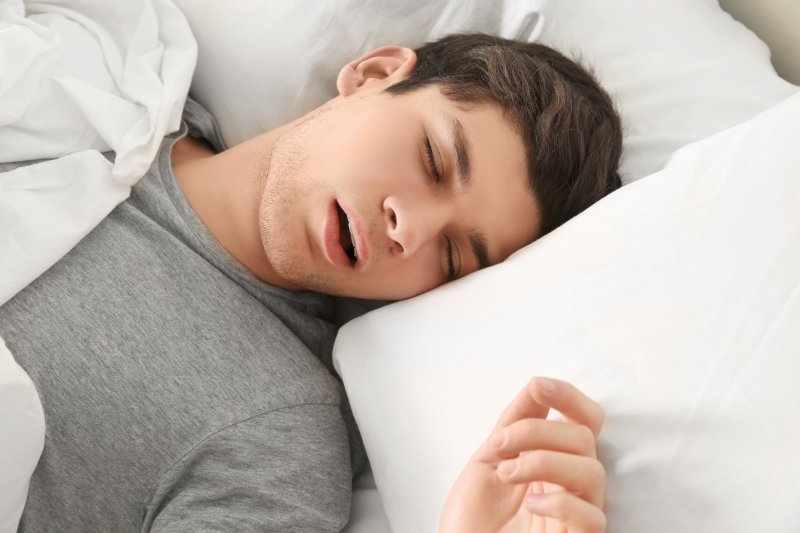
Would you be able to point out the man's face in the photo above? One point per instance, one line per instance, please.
(385, 197)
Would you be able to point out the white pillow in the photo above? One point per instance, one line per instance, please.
(674, 302)
(262, 64)
(680, 70)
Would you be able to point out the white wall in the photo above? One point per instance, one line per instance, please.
(777, 23)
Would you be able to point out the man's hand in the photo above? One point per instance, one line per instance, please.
(532, 474)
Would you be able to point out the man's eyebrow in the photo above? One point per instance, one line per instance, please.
(477, 240)
(478, 243)
(462, 151)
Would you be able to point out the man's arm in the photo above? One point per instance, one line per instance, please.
(286, 470)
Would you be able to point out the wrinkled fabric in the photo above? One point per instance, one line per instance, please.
(78, 78)
(21, 437)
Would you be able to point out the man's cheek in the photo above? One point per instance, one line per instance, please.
(413, 280)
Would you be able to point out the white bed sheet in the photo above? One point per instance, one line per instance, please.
(21, 438)
(367, 514)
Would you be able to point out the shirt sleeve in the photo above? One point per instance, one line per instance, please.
(285, 470)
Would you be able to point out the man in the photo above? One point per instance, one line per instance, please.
(182, 349)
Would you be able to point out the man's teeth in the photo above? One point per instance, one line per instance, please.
(352, 238)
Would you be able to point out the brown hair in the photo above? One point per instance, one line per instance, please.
(569, 127)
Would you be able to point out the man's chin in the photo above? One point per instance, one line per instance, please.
(295, 277)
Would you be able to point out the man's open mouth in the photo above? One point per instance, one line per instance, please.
(346, 235)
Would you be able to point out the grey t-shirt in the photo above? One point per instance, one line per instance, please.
(180, 392)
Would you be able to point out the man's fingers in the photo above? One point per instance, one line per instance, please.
(569, 401)
(538, 434)
(575, 514)
(582, 476)
(541, 394)
(523, 406)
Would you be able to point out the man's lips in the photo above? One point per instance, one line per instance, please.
(331, 237)
(357, 232)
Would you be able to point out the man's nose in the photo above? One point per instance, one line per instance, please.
(411, 222)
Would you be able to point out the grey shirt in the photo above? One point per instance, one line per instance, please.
(181, 393)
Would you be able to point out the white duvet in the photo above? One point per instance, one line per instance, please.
(21, 438)
(77, 81)
(77, 78)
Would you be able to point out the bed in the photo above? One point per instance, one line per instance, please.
(674, 303)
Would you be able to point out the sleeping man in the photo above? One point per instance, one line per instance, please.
(182, 350)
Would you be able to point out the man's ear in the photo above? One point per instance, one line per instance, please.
(379, 68)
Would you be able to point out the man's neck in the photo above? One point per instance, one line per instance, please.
(224, 190)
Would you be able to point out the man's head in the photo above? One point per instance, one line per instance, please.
(569, 128)
(432, 164)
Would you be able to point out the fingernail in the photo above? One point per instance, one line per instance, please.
(533, 501)
(548, 386)
(498, 439)
(507, 467)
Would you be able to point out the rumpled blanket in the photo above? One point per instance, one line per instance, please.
(77, 78)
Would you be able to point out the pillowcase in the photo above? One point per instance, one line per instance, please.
(263, 64)
(673, 302)
(680, 70)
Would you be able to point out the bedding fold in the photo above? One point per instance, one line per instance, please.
(79, 79)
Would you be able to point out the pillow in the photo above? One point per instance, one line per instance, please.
(674, 303)
(680, 70)
(263, 64)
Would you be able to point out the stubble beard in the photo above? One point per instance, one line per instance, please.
(285, 185)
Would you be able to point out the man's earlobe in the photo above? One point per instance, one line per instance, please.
(377, 69)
